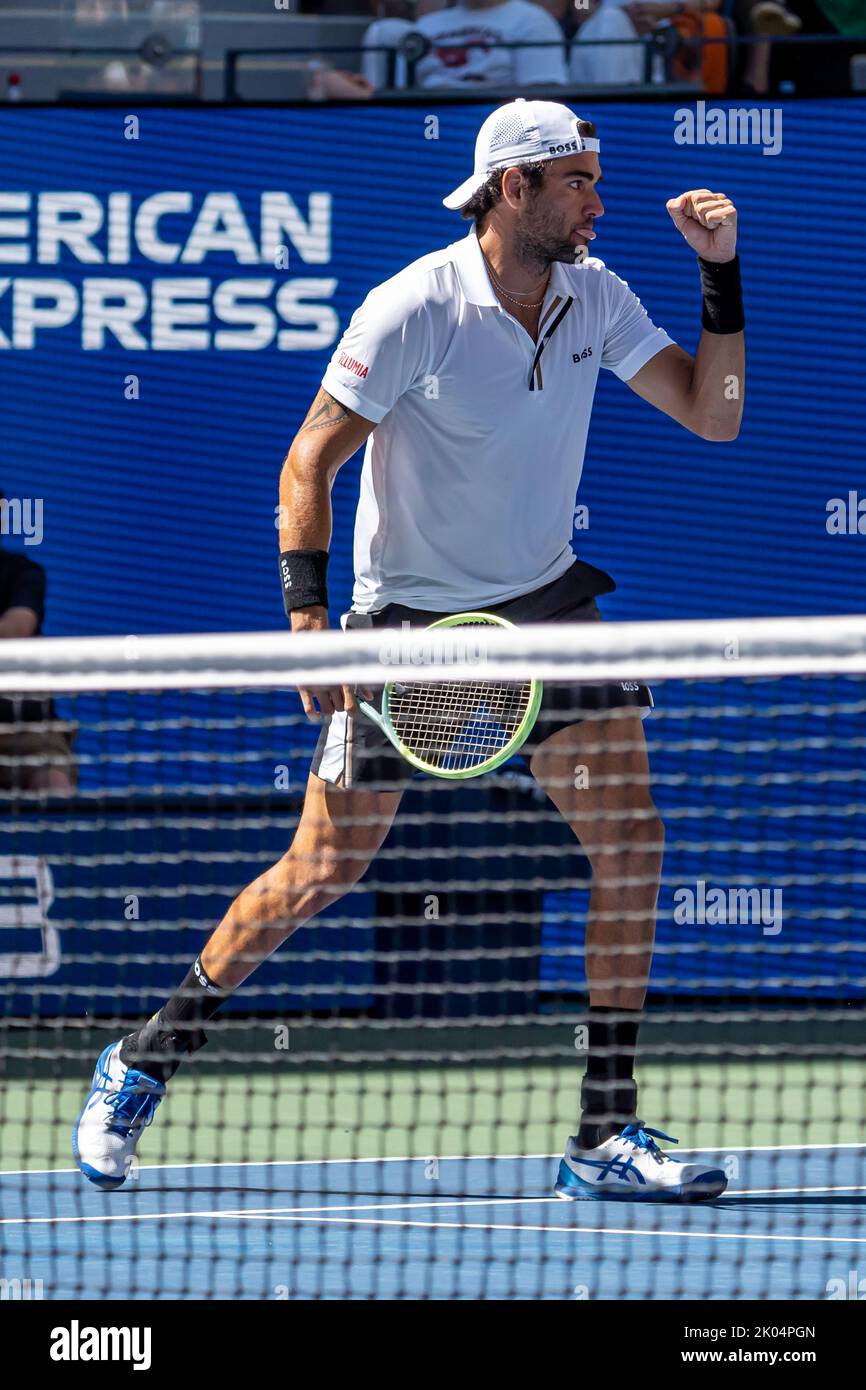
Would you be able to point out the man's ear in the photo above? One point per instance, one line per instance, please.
(512, 186)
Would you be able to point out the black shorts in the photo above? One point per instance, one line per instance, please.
(355, 751)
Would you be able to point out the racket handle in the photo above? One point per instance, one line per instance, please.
(372, 713)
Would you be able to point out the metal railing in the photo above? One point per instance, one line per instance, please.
(660, 47)
(152, 52)
(414, 47)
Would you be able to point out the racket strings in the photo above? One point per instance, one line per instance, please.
(455, 725)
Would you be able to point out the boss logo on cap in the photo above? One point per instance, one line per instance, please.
(576, 145)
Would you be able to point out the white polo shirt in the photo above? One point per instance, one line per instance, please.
(469, 480)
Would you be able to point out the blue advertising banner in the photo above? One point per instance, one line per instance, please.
(168, 304)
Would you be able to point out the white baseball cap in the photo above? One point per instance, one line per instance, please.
(523, 132)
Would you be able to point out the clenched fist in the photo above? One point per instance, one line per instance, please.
(708, 221)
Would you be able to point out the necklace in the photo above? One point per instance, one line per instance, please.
(522, 304)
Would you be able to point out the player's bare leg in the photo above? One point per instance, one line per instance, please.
(338, 835)
(597, 774)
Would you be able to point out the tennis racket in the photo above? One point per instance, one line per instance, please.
(459, 728)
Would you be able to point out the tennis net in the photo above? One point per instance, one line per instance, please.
(381, 1108)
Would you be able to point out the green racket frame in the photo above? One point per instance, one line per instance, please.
(514, 743)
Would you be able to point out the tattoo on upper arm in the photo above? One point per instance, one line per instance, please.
(324, 413)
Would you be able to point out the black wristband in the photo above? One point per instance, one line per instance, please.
(304, 577)
(722, 290)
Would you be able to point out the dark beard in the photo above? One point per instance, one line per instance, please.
(537, 251)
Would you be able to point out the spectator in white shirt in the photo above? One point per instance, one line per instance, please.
(609, 64)
(467, 45)
(470, 44)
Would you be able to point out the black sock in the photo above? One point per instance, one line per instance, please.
(608, 1095)
(176, 1030)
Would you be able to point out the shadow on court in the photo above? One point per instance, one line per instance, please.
(791, 1199)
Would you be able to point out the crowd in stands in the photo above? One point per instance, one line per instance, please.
(589, 44)
(528, 43)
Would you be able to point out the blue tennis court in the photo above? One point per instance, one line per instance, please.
(792, 1225)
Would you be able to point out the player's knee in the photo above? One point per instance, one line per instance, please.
(293, 891)
(337, 871)
(324, 873)
(638, 829)
(643, 828)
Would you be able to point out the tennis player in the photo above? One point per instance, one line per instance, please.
(470, 376)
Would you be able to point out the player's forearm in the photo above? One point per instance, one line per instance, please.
(330, 434)
(305, 525)
(718, 385)
(713, 402)
(305, 503)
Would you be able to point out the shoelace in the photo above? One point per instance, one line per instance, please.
(645, 1139)
(132, 1108)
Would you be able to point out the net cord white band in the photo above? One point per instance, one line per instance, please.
(654, 651)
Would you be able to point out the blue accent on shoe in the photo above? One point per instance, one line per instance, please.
(572, 1188)
(622, 1167)
(109, 1184)
(568, 1184)
(645, 1138)
(133, 1105)
(571, 1185)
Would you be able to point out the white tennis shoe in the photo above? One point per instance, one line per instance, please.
(631, 1167)
(120, 1106)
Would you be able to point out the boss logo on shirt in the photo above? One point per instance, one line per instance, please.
(579, 356)
(353, 365)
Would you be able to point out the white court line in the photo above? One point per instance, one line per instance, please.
(264, 1212)
(307, 1213)
(575, 1230)
(786, 1191)
(323, 1162)
(423, 1158)
(314, 1162)
(768, 1148)
(470, 1226)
